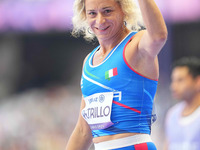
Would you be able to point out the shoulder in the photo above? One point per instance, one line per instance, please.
(84, 61)
(86, 58)
(132, 45)
(88, 55)
(136, 36)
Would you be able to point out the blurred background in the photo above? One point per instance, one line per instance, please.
(40, 69)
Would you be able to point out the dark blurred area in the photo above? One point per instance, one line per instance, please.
(50, 59)
(41, 64)
(40, 95)
(42, 60)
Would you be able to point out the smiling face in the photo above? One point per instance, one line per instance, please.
(105, 18)
(183, 84)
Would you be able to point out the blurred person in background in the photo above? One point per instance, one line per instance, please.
(183, 119)
(119, 78)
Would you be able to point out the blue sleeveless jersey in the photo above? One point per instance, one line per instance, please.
(133, 93)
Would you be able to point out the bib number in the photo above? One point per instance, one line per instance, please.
(97, 112)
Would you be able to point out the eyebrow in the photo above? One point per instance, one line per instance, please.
(90, 10)
(102, 8)
(107, 7)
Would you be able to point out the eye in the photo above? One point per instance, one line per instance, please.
(91, 13)
(107, 11)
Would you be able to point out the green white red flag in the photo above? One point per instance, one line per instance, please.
(111, 73)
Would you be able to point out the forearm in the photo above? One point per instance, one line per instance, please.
(153, 18)
(79, 141)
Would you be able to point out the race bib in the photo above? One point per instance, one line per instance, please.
(97, 111)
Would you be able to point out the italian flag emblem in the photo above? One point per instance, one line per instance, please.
(110, 73)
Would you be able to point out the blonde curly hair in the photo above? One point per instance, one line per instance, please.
(80, 25)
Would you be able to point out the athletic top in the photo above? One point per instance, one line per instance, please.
(132, 94)
(183, 133)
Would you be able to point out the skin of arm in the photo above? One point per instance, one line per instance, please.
(155, 36)
(142, 53)
(81, 138)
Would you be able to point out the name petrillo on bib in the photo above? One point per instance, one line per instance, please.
(97, 111)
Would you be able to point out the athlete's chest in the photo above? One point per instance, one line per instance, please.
(103, 78)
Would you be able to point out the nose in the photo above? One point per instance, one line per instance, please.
(100, 19)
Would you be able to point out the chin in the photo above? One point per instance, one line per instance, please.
(176, 97)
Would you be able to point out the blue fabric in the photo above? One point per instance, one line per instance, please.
(137, 92)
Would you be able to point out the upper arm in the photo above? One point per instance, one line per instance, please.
(149, 44)
(81, 137)
(154, 37)
(140, 56)
(81, 123)
(81, 108)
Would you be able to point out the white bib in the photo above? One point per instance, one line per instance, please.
(97, 111)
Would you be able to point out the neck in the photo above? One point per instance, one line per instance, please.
(191, 105)
(107, 45)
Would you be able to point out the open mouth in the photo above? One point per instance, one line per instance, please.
(103, 29)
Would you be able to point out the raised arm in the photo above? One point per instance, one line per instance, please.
(81, 138)
(141, 53)
(155, 36)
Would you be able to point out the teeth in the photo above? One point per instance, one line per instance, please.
(102, 28)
